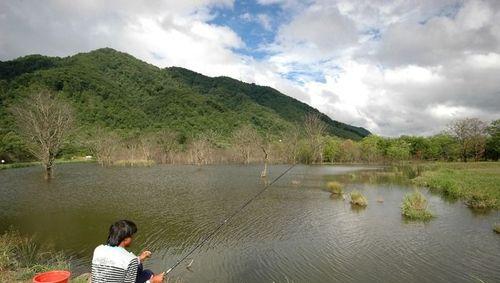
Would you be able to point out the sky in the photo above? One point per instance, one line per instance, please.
(393, 67)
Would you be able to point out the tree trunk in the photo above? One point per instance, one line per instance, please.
(263, 174)
(48, 172)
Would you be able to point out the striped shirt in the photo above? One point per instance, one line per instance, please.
(114, 265)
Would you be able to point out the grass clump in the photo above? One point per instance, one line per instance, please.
(21, 258)
(414, 207)
(480, 201)
(335, 187)
(496, 228)
(358, 199)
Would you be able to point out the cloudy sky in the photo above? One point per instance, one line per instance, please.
(394, 67)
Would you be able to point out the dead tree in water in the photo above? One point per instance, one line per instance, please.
(202, 148)
(245, 139)
(292, 144)
(43, 120)
(315, 130)
(167, 141)
(263, 174)
(265, 145)
(103, 144)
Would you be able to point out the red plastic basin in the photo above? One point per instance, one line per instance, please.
(56, 276)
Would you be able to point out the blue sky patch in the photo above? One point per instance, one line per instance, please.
(256, 24)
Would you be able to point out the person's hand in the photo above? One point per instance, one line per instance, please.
(144, 255)
(158, 278)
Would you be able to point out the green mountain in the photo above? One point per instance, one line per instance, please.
(116, 90)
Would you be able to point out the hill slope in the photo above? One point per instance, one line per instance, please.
(116, 90)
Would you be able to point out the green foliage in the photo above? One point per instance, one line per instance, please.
(493, 141)
(414, 207)
(372, 148)
(358, 199)
(335, 187)
(21, 258)
(332, 149)
(398, 150)
(287, 107)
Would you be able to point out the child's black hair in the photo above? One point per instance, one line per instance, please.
(119, 231)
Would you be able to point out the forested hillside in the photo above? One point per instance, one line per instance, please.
(114, 90)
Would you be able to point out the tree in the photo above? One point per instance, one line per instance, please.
(167, 141)
(399, 150)
(315, 130)
(470, 134)
(444, 147)
(493, 140)
(291, 140)
(202, 147)
(349, 151)
(245, 139)
(43, 120)
(103, 144)
(332, 148)
(265, 146)
(370, 148)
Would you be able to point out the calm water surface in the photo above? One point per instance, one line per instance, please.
(292, 233)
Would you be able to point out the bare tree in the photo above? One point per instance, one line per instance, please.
(315, 130)
(245, 139)
(202, 148)
(167, 141)
(265, 145)
(103, 144)
(43, 120)
(292, 142)
(471, 136)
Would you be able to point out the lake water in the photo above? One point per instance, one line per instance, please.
(294, 232)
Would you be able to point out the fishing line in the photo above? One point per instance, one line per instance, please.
(228, 219)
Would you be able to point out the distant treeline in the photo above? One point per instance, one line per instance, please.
(305, 145)
(466, 140)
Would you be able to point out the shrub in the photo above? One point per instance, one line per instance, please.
(414, 207)
(358, 199)
(335, 187)
(21, 258)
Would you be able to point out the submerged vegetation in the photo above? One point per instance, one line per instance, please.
(414, 207)
(21, 258)
(358, 199)
(335, 187)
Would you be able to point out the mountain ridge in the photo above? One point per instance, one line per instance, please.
(117, 90)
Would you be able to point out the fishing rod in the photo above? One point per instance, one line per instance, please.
(228, 219)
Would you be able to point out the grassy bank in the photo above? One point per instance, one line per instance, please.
(477, 183)
(21, 258)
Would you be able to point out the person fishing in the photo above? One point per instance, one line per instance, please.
(112, 263)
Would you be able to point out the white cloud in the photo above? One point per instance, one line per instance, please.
(402, 63)
(395, 67)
